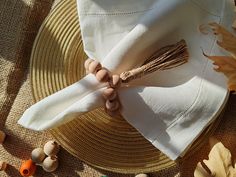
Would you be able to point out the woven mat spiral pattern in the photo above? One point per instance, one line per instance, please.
(99, 140)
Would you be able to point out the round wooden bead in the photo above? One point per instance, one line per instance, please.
(109, 94)
(141, 175)
(37, 155)
(3, 166)
(50, 164)
(51, 148)
(2, 137)
(112, 105)
(115, 113)
(87, 63)
(102, 75)
(94, 67)
(115, 81)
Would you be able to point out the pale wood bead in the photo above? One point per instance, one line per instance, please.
(109, 93)
(2, 137)
(115, 81)
(37, 155)
(102, 75)
(51, 148)
(94, 67)
(115, 113)
(50, 164)
(3, 166)
(87, 63)
(112, 105)
(141, 175)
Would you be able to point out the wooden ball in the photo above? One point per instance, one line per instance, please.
(3, 166)
(87, 63)
(115, 113)
(102, 75)
(112, 105)
(94, 67)
(115, 81)
(37, 155)
(2, 137)
(51, 148)
(50, 164)
(109, 94)
(141, 175)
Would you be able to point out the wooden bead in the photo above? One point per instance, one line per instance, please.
(87, 63)
(109, 94)
(51, 148)
(37, 155)
(112, 105)
(141, 175)
(115, 113)
(102, 75)
(115, 81)
(94, 67)
(50, 164)
(3, 166)
(27, 168)
(2, 137)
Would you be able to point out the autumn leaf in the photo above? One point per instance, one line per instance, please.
(225, 64)
(218, 165)
(226, 39)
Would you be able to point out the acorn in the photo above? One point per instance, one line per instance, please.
(112, 105)
(109, 94)
(2, 137)
(28, 168)
(37, 155)
(51, 148)
(87, 63)
(102, 75)
(141, 175)
(3, 166)
(115, 81)
(50, 164)
(94, 67)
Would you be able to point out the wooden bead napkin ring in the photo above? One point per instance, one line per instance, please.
(165, 58)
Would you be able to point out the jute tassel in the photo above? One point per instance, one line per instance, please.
(165, 58)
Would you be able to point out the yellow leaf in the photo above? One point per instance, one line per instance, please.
(218, 165)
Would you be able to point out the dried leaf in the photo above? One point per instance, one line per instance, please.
(218, 165)
(225, 64)
(226, 39)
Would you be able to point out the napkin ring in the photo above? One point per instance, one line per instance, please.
(164, 58)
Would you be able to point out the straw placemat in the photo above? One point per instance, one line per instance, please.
(99, 140)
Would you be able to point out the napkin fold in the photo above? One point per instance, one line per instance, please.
(174, 106)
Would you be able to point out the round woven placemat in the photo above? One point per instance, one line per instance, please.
(99, 140)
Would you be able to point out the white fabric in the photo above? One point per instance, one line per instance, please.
(169, 108)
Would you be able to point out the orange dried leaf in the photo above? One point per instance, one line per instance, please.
(218, 165)
(226, 39)
(226, 65)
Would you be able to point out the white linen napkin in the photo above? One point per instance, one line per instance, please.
(169, 108)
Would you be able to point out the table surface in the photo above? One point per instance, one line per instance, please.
(19, 23)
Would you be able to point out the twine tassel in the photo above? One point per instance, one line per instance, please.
(165, 58)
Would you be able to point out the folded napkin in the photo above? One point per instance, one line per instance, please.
(169, 108)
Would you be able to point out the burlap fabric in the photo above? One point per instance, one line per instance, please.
(19, 23)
